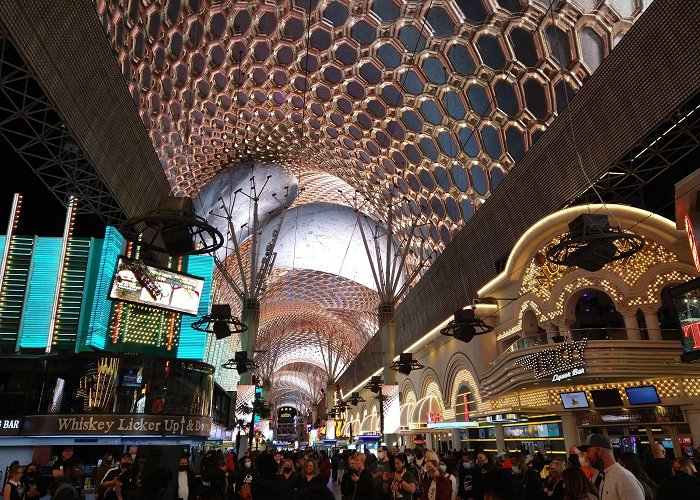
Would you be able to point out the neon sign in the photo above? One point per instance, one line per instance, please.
(692, 241)
(434, 417)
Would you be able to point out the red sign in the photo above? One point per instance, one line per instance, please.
(692, 241)
(692, 331)
(434, 417)
(466, 408)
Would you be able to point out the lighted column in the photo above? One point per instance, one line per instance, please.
(631, 324)
(456, 439)
(651, 317)
(500, 439)
(570, 430)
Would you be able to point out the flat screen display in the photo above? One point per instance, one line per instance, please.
(572, 400)
(138, 283)
(606, 397)
(645, 395)
(686, 299)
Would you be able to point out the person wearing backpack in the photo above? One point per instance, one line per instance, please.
(69, 487)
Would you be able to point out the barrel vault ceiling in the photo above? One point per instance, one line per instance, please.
(425, 105)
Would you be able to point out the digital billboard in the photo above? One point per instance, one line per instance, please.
(686, 298)
(138, 283)
(572, 400)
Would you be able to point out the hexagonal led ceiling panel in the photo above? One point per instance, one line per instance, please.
(438, 99)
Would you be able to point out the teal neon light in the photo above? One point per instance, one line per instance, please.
(101, 307)
(43, 273)
(192, 343)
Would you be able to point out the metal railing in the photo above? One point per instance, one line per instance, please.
(577, 334)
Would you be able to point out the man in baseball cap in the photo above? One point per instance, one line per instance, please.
(618, 483)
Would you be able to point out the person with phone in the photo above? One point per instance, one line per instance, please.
(403, 482)
(357, 482)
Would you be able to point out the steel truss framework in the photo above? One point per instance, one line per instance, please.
(31, 125)
(662, 149)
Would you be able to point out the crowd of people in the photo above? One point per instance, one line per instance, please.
(592, 471)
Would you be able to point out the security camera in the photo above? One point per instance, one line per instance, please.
(476, 301)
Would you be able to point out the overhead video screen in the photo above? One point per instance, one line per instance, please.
(644, 395)
(606, 397)
(572, 400)
(686, 298)
(137, 283)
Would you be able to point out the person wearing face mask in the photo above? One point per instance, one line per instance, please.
(382, 473)
(402, 484)
(187, 483)
(245, 477)
(288, 474)
(618, 483)
(554, 485)
(451, 477)
(469, 479)
(112, 482)
(435, 485)
(529, 481)
(34, 484)
(269, 484)
(484, 462)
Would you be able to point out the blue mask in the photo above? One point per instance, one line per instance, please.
(467, 465)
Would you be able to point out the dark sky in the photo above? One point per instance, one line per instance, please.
(42, 213)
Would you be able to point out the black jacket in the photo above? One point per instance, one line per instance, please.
(193, 485)
(531, 485)
(270, 487)
(357, 490)
(470, 484)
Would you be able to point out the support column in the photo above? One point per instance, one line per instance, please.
(330, 397)
(631, 324)
(500, 440)
(251, 318)
(456, 439)
(692, 416)
(651, 317)
(552, 331)
(387, 332)
(569, 430)
(564, 327)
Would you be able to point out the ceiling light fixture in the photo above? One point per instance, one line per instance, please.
(173, 229)
(240, 362)
(465, 326)
(406, 364)
(220, 322)
(592, 242)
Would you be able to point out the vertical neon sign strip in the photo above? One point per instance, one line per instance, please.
(11, 228)
(692, 241)
(67, 235)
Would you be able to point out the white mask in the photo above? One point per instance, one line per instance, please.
(381, 455)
